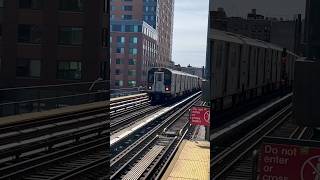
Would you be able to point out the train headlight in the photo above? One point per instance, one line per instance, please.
(167, 89)
(149, 87)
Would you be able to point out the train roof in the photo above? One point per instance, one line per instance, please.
(232, 37)
(175, 71)
(225, 36)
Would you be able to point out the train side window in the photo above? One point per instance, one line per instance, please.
(167, 78)
(226, 74)
(257, 67)
(212, 53)
(233, 56)
(264, 65)
(219, 52)
(249, 63)
(239, 66)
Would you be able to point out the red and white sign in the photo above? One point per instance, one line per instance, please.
(200, 115)
(289, 162)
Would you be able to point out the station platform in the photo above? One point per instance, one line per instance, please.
(192, 161)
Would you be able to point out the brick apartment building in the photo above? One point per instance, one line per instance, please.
(53, 41)
(141, 37)
(285, 33)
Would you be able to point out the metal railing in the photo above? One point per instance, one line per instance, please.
(41, 98)
(126, 91)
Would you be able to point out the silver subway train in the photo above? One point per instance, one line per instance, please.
(164, 83)
(242, 68)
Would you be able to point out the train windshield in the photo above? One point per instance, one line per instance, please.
(150, 77)
(159, 77)
(167, 78)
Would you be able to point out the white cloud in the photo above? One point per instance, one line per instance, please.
(190, 32)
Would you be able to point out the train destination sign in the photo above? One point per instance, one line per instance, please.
(200, 115)
(289, 161)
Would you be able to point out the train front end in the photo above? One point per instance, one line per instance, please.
(159, 84)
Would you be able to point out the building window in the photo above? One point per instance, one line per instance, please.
(71, 5)
(112, 16)
(133, 51)
(118, 83)
(120, 50)
(29, 33)
(134, 40)
(127, 8)
(132, 73)
(117, 72)
(132, 83)
(113, 8)
(118, 28)
(133, 28)
(118, 61)
(31, 4)
(28, 68)
(126, 17)
(132, 62)
(70, 35)
(70, 70)
(121, 39)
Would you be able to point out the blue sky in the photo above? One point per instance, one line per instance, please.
(190, 32)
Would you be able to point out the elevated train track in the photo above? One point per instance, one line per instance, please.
(31, 148)
(74, 146)
(237, 159)
(151, 147)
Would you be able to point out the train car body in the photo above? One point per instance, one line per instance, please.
(242, 68)
(165, 83)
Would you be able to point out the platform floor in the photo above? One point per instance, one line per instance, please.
(192, 161)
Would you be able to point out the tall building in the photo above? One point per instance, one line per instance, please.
(191, 70)
(254, 26)
(285, 33)
(141, 37)
(53, 41)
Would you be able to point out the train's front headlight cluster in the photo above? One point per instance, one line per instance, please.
(149, 87)
(167, 88)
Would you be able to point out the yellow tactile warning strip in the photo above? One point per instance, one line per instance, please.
(192, 161)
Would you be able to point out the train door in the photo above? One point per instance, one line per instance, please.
(158, 81)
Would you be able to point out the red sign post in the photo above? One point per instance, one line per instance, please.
(200, 115)
(289, 162)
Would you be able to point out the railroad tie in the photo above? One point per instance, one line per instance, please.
(136, 172)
